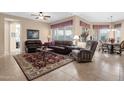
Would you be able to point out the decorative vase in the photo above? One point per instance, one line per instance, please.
(84, 36)
(112, 41)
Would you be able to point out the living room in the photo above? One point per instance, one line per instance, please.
(65, 46)
(62, 36)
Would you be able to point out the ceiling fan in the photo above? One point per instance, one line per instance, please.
(40, 15)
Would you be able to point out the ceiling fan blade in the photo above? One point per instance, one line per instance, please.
(47, 16)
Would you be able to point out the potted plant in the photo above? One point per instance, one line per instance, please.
(84, 35)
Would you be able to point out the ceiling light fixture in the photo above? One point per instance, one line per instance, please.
(111, 31)
(111, 27)
(41, 16)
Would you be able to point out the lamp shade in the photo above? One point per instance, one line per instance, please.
(76, 37)
(48, 36)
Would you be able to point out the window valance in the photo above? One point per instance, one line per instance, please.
(100, 26)
(62, 24)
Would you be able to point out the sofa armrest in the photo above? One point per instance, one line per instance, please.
(84, 55)
(85, 50)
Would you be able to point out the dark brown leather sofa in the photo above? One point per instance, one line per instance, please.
(32, 45)
(61, 46)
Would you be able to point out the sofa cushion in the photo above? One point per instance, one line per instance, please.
(58, 47)
(32, 45)
(66, 43)
(88, 45)
(75, 52)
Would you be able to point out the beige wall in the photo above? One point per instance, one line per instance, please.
(25, 24)
(1, 35)
(13, 38)
(122, 31)
(76, 25)
(6, 37)
(44, 29)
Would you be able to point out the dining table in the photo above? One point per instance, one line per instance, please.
(111, 46)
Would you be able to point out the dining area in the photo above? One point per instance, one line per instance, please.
(110, 38)
(111, 47)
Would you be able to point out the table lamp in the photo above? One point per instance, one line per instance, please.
(48, 37)
(76, 38)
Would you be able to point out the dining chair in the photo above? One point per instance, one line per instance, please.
(118, 48)
(105, 47)
(100, 45)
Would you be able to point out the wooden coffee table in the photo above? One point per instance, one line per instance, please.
(45, 50)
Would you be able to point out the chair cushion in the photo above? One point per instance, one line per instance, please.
(122, 45)
(75, 52)
(88, 45)
(81, 44)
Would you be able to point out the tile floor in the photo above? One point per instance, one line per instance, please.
(105, 67)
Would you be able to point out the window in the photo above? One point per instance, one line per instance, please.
(117, 35)
(54, 34)
(68, 34)
(60, 34)
(64, 33)
(103, 34)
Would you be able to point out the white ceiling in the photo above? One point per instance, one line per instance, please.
(89, 16)
(54, 15)
(101, 16)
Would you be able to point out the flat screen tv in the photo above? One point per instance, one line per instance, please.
(32, 34)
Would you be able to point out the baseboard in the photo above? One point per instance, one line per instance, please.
(4, 53)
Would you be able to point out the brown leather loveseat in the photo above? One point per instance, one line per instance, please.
(32, 45)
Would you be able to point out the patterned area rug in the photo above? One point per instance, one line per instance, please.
(36, 64)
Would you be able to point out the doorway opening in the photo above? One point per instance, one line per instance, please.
(12, 36)
(17, 36)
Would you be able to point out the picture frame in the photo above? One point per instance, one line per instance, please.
(32, 34)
